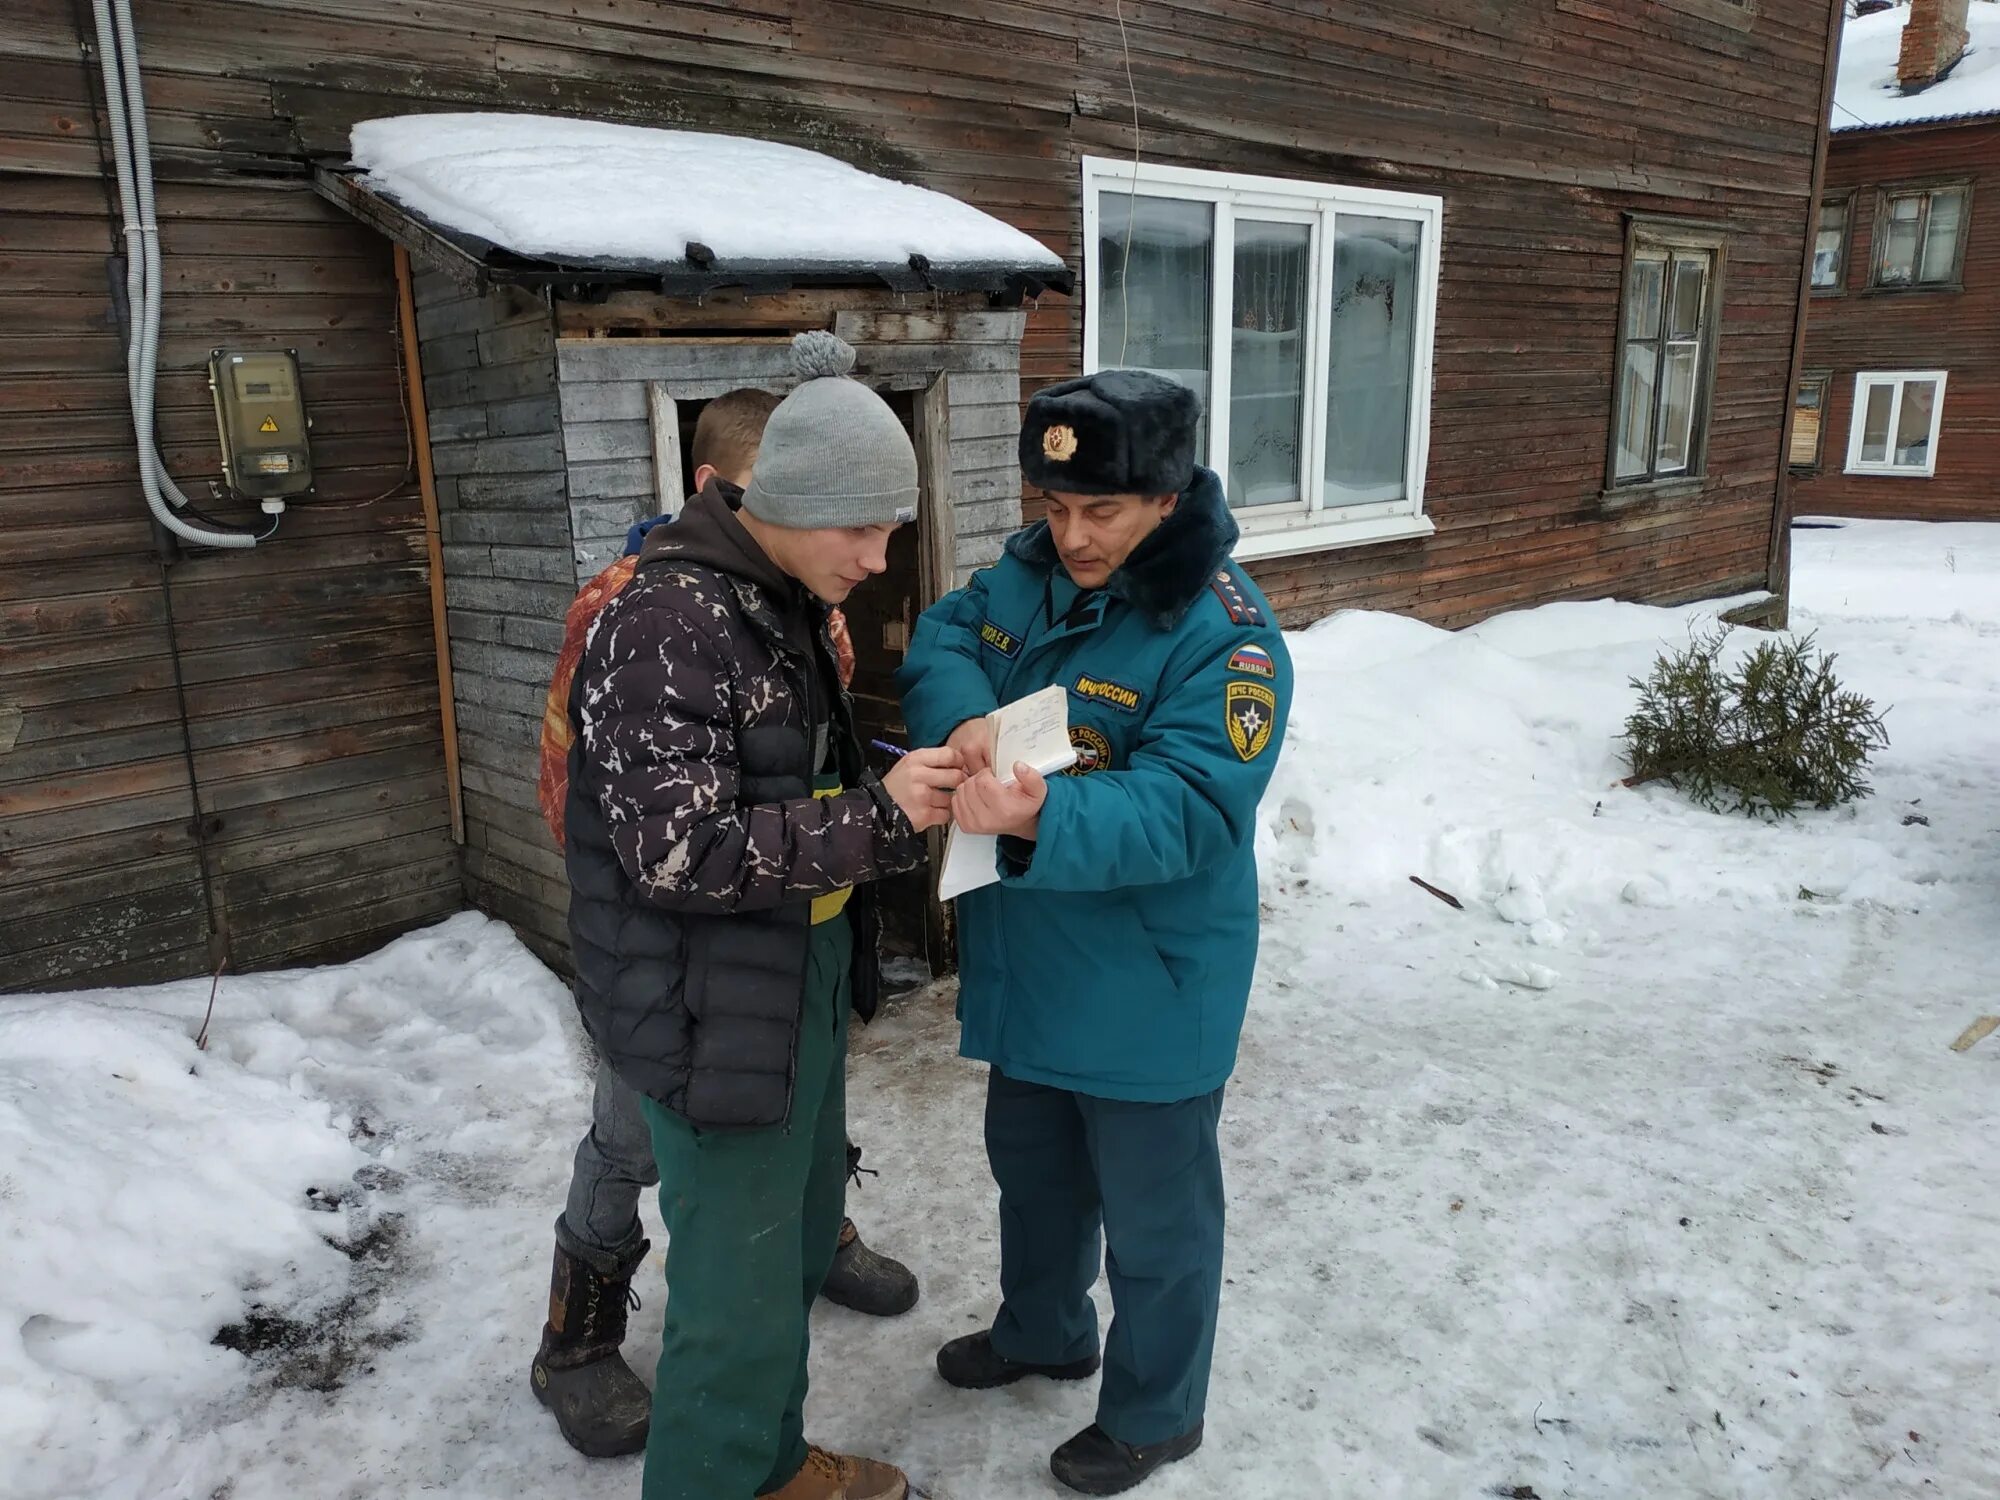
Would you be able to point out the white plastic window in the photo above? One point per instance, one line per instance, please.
(1897, 415)
(1302, 313)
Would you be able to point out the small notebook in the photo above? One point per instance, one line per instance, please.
(1034, 731)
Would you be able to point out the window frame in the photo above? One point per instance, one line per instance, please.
(1824, 380)
(1878, 235)
(1643, 232)
(1857, 417)
(1847, 200)
(1306, 525)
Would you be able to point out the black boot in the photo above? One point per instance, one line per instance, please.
(1096, 1463)
(868, 1282)
(973, 1364)
(602, 1408)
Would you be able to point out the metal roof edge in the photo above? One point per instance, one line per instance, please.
(1965, 117)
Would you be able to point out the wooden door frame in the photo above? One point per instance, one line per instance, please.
(937, 553)
(937, 575)
(937, 569)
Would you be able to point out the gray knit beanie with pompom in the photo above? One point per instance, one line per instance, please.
(833, 453)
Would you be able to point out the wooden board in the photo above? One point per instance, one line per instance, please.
(289, 717)
(502, 432)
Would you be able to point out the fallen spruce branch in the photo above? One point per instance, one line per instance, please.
(1771, 734)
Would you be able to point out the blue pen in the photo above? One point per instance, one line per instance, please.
(896, 750)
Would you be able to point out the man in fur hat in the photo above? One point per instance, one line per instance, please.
(1104, 978)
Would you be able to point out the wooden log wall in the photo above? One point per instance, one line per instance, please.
(1955, 329)
(1539, 125)
(1542, 126)
(299, 811)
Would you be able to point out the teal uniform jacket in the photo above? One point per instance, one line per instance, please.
(1115, 956)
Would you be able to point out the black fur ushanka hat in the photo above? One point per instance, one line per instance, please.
(1118, 432)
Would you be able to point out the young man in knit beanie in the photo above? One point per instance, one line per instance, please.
(723, 837)
(579, 1371)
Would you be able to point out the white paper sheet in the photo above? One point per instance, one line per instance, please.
(1033, 730)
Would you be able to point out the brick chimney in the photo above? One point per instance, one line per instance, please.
(1933, 39)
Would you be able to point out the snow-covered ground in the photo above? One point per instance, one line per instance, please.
(1649, 1173)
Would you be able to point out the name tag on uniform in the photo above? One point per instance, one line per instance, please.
(1119, 696)
(1003, 641)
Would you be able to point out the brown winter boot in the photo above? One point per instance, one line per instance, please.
(836, 1476)
(602, 1408)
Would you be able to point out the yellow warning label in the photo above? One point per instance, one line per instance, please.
(269, 424)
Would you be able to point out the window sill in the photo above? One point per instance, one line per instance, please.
(1885, 473)
(1292, 541)
(1915, 289)
(1625, 496)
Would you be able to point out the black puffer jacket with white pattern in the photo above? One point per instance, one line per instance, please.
(695, 844)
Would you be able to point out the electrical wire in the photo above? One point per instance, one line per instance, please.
(1131, 197)
(125, 106)
(409, 473)
(207, 520)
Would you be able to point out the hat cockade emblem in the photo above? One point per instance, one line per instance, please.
(1059, 443)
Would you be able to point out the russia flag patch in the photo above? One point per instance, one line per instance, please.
(1254, 659)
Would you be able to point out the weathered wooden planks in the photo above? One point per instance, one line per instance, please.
(1954, 328)
(300, 661)
(497, 426)
(1542, 127)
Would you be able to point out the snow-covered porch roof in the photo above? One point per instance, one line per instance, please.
(538, 200)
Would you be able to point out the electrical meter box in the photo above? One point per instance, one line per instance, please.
(261, 413)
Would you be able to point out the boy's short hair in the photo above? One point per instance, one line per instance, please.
(730, 429)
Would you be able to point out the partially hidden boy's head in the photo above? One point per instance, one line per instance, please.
(727, 435)
(834, 476)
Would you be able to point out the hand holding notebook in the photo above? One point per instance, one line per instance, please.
(1031, 731)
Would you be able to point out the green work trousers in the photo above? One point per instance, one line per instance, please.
(753, 1219)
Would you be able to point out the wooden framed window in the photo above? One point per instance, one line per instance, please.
(1920, 236)
(1666, 353)
(1897, 414)
(1303, 314)
(1829, 272)
(1809, 422)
